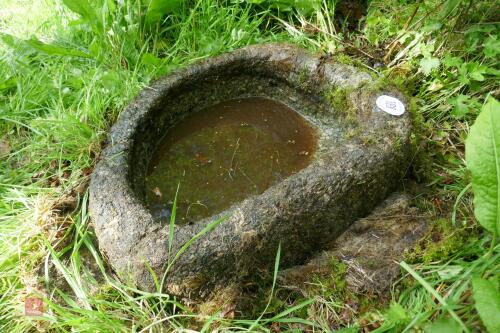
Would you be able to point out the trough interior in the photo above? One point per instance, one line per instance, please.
(225, 153)
(204, 89)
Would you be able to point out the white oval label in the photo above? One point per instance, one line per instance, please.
(391, 105)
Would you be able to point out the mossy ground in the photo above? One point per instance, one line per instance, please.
(442, 242)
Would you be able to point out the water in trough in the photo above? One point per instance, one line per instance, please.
(225, 153)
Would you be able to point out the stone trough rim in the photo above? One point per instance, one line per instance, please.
(114, 166)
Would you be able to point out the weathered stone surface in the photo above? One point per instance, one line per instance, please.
(371, 248)
(361, 158)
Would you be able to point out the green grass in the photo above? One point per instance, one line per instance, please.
(58, 100)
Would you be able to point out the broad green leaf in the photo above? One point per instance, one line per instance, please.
(492, 71)
(432, 26)
(396, 313)
(35, 44)
(452, 61)
(476, 71)
(81, 7)
(463, 74)
(482, 152)
(52, 49)
(492, 47)
(487, 299)
(460, 106)
(9, 40)
(304, 7)
(427, 64)
(150, 59)
(159, 8)
(450, 272)
(477, 75)
(447, 325)
(86, 11)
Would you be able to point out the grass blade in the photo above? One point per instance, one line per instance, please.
(275, 276)
(171, 225)
(52, 49)
(434, 293)
(186, 245)
(73, 283)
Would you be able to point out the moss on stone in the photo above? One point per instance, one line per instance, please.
(333, 286)
(303, 78)
(441, 242)
(340, 100)
(344, 59)
(331, 283)
(370, 139)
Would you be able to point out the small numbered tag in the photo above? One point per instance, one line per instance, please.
(391, 105)
(33, 306)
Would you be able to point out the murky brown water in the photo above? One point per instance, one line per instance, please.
(224, 154)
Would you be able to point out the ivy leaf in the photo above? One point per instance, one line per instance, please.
(463, 105)
(427, 64)
(487, 298)
(482, 152)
